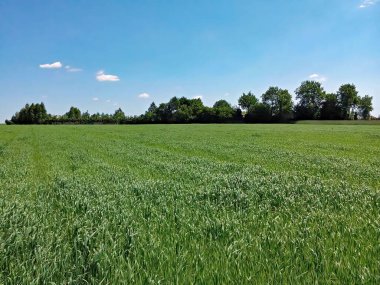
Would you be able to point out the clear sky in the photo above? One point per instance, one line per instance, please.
(101, 55)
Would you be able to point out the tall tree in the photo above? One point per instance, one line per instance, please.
(119, 116)
(330, 109)
(348, 99)
(73, 114)
(258, 113)
(223, 111)
(279, 102)
(151, 113)
(246, 101)
(31, 114)
(310, 96)
(365, 107)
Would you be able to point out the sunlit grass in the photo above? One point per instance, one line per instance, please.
(203, 204)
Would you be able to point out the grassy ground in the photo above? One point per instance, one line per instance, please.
(182, 204)
(340, 122)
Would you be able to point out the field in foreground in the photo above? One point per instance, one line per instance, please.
(181, 204)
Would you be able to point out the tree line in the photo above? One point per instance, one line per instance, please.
(276, 105)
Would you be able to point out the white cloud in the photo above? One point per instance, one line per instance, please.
(54, 65)
(198, 97)
(143, 95)
(100, 76)
(367, 3)
(116, 104)
(317, 77)
(108, 101)
(313, 76)
(72, 69)
(95, 99)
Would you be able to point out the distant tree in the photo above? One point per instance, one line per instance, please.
(222, 104)
(197, 107)
(40, 114)
(188, 110)
(348, 99)
(365, 107)
(310, 96)
(330, 109)
(279, 102)
(119, 116)
(223, 111)
(31, 114)
(207, 115)
(246, 101)
(259, 113)
(276, 105)
(151, 114)
(86, 117)
(74, 114)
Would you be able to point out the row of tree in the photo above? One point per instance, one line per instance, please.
(276, 105)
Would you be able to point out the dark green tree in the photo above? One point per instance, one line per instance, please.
(74, 114)
(31, 114)
(119, 116)
(330, 109)
(246, 101)
(259, 113)
(348, 99)
(223, 111)
(365, 107)
(151, 114)
(310, 96)
(279, 102)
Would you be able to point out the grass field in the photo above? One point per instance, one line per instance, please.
(340, 122)
(183, 204)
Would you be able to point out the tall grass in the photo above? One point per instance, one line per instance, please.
(192, 204)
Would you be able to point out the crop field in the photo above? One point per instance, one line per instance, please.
(190, 204)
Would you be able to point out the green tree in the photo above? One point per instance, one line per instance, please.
(31, 114)
(259, 113)
(86, 117)
(348, 99)
(365, 107)
(73, 114)
(119, 116)
(223, 111)
(330, 109)
(246, 101)
(151, 113)
(310, 96)
(279, 102)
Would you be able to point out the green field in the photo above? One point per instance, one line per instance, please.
(190, 204)
(339, 122)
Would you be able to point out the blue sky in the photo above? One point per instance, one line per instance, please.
(102, 55)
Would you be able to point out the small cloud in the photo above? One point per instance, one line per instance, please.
(95, 99)
(198, 97)
(108, 101)
(54, 65)
(100, 76)
(116, 104)
(72, 69)
(313, 76)
(317, 77)
(227, 94)
(367, 3)
(143, 95)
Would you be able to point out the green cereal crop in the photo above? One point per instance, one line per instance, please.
(190, 204)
